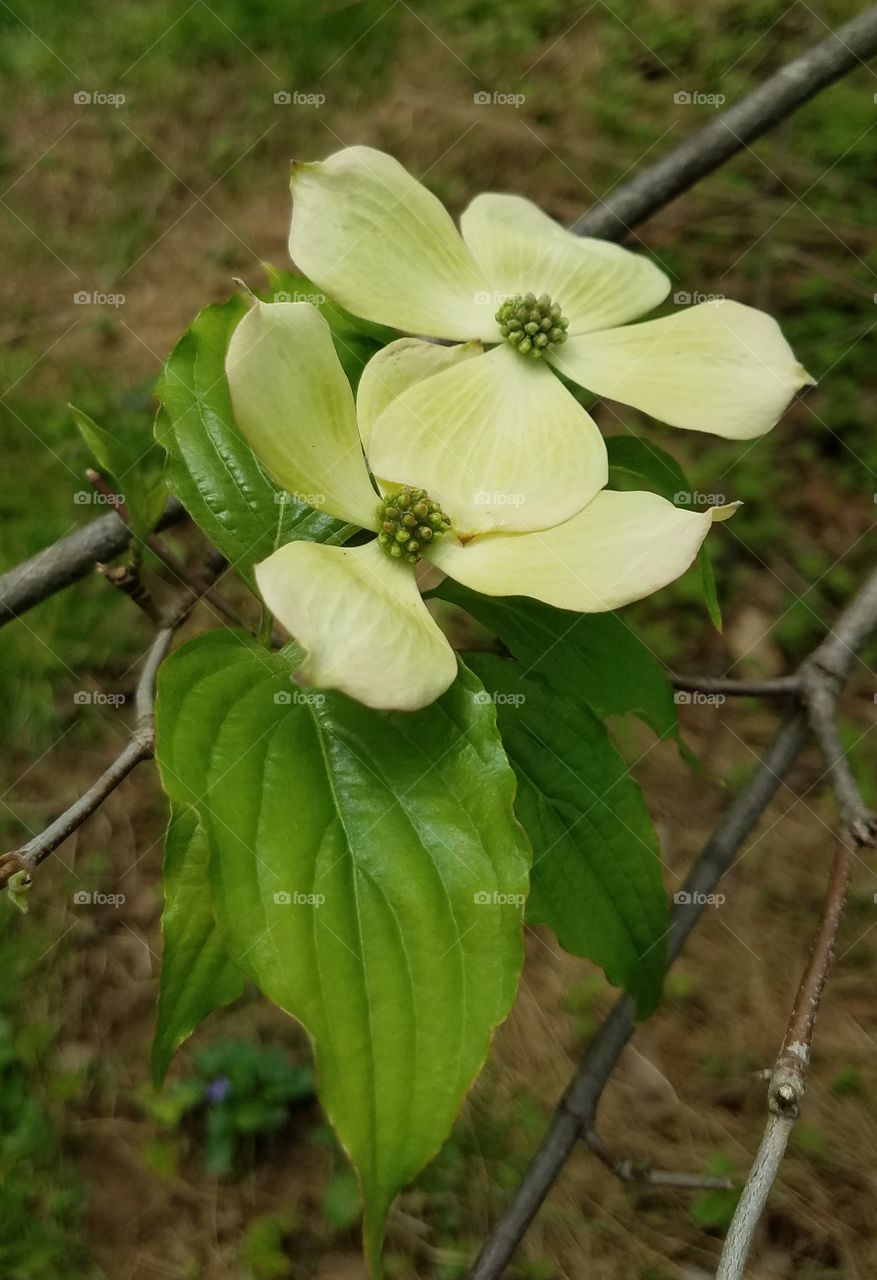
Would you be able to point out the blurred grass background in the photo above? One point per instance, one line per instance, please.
(162, 200)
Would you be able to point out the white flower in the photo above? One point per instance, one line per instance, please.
(446, 420)
(370, 235)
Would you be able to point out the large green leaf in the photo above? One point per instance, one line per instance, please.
(594, 655)
(210, 467)
(197, 975)
(596, 876)
(368, 873)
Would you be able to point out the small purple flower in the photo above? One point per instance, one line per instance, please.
(218, 1089)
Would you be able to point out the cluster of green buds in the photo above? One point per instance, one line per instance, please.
(532, 325)
(407, 521)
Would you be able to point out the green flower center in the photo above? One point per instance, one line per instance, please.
(407, 521)
(532, 325)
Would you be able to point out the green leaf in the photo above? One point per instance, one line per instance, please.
(197, 976)
(143, 493)
(596, 655)
(637, 459)
(210, 467)
(596, 876)
(368, 873)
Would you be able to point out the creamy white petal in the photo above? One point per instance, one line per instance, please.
(522, 250)
(383, 246)
(719, 367)
(498, 441)
(623, 546)
(362, 622)
(397, 367)
(294, 406)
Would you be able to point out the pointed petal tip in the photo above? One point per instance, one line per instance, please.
(724, 512)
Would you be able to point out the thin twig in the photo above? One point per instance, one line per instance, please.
(28, 857)
(628, 1170)
(776, 99)
(778, 686)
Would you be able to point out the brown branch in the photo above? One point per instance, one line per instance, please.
(779, 686)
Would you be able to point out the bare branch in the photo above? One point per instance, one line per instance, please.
(70, 559)
(779, 686)
(628, 1170)
(780, 95)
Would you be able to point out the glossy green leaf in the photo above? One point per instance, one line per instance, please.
(197, 975)
(210, 467)
(634, 459)
(595, 655)
(368, 873)
(143, 492)
(596, 877)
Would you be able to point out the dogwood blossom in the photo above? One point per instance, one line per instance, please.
(425, 432)
(377, 241)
